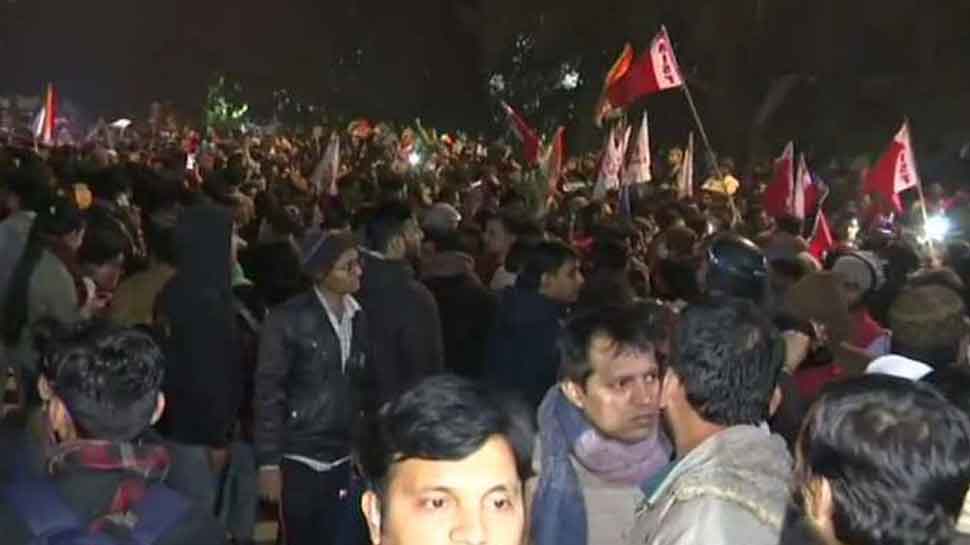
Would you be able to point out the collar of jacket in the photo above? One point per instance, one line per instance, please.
(725, 443)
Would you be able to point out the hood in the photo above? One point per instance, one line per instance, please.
(448, 264)
(523, 307)
(380, 273)
(202, 240)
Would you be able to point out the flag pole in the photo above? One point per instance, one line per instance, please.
(712, 157)
(700, 126)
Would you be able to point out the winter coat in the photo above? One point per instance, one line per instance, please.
(732, 488)
(196, 318)
(467, 311)
(306, 401)
(404, 325)
(522, 357)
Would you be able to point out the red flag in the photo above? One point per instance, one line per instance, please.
(617, 72)
(895, 171)
(526, 134)
(50, 119)
(44, 125)
(777, 195)
(822, 241)
(555, 160)
(655, 70)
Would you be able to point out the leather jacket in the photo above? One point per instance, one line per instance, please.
(305, 404)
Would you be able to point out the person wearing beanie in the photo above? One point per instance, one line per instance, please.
(313, 380)
(929, 324)
(862, 276)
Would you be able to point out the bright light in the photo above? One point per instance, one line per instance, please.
(570, 80)
(937, 228)
(414, 158)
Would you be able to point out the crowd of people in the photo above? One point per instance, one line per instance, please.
(426, 342)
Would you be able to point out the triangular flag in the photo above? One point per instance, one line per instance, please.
(617, 72)
(611, 161)
(655, 70)
(526, 134)
(50, 116)
(803, 182)
(777, 195)
(895, 171)
(638, 168)
(822, 241)
(555, 159)
(685, 182)
(327, 170)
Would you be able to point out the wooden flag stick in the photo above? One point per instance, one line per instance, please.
(700, 126)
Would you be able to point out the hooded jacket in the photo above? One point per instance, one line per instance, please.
(467, 311)
(203, 376)
(523, 355)
(732, 488)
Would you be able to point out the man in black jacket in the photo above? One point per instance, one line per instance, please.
(522, 355)
(402, 312)
(467, 307)
(97, 468)
(311, 386)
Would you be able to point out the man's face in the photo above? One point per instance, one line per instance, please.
(563, 285)
(498, 241)
(477, 500)
(622, 396)
(344, 278)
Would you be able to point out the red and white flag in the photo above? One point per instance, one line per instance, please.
(44, 125)
(895, 171)
(799, 206)
(611, 162)
(822, 241)
(328, 169)
(526, 134)
(638, 168)
(655, 70)
(777, 196)
(555, 159)
(685, 181)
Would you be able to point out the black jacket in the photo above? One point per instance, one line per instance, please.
(197, 321)
(523, 355)
(305, 403)
(467, 313)
(405, 325)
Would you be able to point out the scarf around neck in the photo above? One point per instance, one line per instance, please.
(559, 512)
(141, 465)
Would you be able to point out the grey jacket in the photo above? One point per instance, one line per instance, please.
(731, 489)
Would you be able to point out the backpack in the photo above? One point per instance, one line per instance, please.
(53, 522)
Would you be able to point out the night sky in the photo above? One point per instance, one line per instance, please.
(866, 62)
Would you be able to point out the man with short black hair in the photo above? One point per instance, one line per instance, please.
(103, 470)
(600, 439)
(522, 356)
(445, 463)
(883, 460)
(404, 319)
(730, 481)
